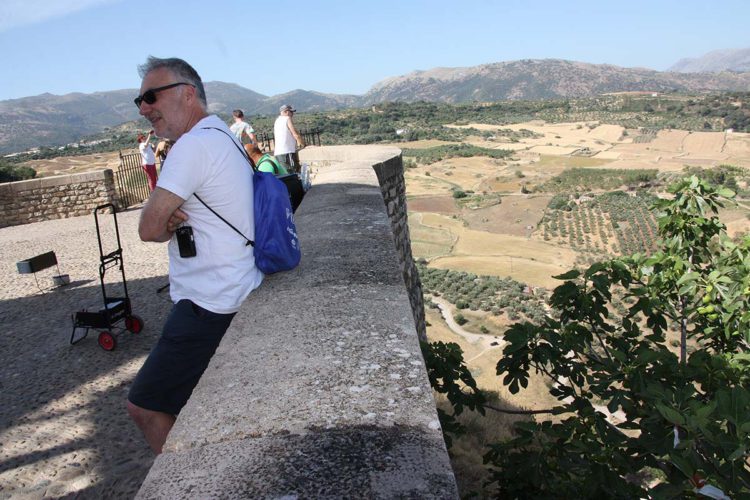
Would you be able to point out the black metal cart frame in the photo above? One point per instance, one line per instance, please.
(116, 309)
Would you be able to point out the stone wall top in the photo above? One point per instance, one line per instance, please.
(54, 181)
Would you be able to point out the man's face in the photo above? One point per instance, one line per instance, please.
(170, 114)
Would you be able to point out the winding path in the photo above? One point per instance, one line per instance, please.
(486, 342)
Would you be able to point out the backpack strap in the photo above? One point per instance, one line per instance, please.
(250, 161)
(242, 150)
(249, 241)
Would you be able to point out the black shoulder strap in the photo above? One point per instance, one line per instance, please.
(244, 153)
(242, 150)
(249, 241)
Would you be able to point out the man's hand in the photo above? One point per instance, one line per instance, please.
(161, 216)
(177, 218)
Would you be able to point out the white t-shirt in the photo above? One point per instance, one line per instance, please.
(283, 140)
(238, 128)
(223, 272)
(147, 154)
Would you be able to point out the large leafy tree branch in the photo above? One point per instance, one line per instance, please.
(629, 407)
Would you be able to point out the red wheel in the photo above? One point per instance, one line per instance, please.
(133, 324)
(107, 341)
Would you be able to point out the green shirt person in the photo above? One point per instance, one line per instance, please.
(266, 162)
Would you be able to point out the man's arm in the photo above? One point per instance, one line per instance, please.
(297, 137)
(161, 216)
(249, 132)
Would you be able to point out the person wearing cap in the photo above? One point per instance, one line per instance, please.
(242, 130)
(287, 141)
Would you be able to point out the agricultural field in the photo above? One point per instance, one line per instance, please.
(64, 165)
(564, 194)
(559, 196)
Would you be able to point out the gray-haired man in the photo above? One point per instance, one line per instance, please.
(209, 286)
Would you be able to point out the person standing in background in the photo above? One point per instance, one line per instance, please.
(243, 131)
(162, 149)
(287, 141)
(148, 159)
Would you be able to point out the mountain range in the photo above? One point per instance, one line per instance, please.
(52, 120)
(737, 60)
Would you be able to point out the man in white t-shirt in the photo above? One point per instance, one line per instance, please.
(287, 141)
(242, 130)
(208, 286)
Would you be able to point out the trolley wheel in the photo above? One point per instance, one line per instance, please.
(107, 341)
(133, 323)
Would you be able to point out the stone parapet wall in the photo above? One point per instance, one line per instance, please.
(319, 388)
(55, 197)
(391, 176)
(388, 166)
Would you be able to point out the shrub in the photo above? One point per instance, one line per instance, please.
(13, 173)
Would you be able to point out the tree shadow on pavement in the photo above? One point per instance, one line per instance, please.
(63, 425)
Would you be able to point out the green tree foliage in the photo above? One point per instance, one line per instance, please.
(448, 375)
(586, 179)
(489, 293)
(684, 416)
(722, 175)
(12, 173)
(437, 153)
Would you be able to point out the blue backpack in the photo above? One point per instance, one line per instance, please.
(276, 246)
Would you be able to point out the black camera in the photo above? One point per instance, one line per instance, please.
(185, 241)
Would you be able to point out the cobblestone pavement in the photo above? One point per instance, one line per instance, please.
(64, 432)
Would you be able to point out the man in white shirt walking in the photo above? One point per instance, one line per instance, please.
(287, 141)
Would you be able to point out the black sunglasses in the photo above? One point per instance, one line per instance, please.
(149, 96)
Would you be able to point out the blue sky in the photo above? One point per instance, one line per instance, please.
(274, 46)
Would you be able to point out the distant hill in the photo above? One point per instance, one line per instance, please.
(542, 79)
(737, 60)
(225, 97)
(55, 120)
(305, 100)
(52, 120)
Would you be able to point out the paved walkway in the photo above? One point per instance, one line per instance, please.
(64, 431)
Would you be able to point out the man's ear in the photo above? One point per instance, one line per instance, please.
(191, 93)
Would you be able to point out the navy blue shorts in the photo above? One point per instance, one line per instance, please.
(175, 365)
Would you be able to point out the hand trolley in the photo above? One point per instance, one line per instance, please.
(116, 309)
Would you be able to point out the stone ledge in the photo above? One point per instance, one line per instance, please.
(346, 462)
(318, 389)
(54, 181)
